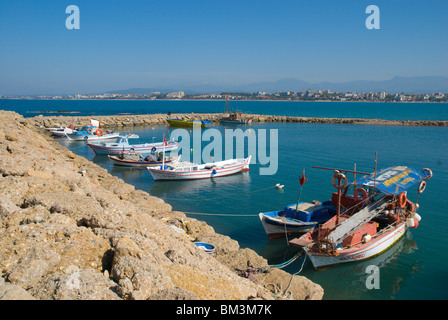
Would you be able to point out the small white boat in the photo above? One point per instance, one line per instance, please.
(296, 219)
(122, 145)
(60, 132)
(191, 171)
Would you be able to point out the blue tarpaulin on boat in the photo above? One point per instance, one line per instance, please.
(394, 180)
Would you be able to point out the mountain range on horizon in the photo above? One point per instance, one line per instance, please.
(421, 84)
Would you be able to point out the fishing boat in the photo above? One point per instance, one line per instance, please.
(188, 123)
(141, 162)
(385, 217)
(91, 132)
(297, 218)
(191, 171)
(232, 117)
(61, 131)
(122, 145)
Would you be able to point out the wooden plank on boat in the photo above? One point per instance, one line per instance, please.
(351, 224)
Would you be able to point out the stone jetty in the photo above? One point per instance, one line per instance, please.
(69, 230)
(160, 119)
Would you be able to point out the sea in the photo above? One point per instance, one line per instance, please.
(416, 267)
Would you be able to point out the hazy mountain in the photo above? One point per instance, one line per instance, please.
(424, 84)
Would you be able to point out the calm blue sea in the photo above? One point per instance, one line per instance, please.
(390, 111)
(415, 268)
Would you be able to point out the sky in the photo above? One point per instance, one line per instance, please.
(159, 43)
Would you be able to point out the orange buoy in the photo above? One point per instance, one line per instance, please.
(99, 132)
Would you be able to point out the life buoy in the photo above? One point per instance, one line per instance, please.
(429, 171)
(341, 177)
(422, 186)
(363, 193)
(99, 132)
(89, 131)
(402, 200)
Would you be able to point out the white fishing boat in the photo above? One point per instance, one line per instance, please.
(61, 131)
(89, 133)
(122, 145)
(386, 217)
(191, 171)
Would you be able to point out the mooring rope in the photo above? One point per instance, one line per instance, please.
(288, 262)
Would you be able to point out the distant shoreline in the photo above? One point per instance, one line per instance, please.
(223, 100)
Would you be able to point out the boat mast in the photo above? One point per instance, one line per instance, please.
(339, 198)
(163, 156)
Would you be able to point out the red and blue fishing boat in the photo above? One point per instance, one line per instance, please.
(384, 218)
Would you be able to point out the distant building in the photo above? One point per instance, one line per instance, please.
(175, 95)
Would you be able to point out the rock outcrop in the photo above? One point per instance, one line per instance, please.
(70, 230)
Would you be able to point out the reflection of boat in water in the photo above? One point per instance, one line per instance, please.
(190, 188)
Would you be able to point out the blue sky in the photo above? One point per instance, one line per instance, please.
(149, 43)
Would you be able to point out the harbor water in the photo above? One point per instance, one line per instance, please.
(414, 268)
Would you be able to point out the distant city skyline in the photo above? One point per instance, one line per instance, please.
(156, 44)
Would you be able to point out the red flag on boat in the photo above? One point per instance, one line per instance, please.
(166, 143)
(302, 180)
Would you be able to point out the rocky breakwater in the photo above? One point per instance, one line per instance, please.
(160, 119)
(70, 230)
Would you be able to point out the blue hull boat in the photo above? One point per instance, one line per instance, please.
(296, 219)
